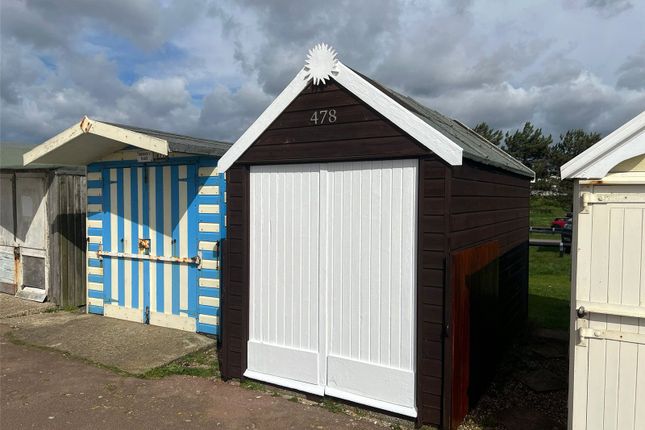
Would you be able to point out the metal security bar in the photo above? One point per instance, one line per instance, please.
(188, 260)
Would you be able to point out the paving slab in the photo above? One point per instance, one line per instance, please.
(131, 347)
(12, 306)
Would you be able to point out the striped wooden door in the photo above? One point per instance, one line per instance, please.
(149, 238)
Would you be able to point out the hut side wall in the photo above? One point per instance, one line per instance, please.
(434, 186)
(488, 206)
(235, 285)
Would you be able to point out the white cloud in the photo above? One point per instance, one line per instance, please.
(208, 68)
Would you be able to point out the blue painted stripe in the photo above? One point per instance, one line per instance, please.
(93, 262)
(209, 292)
(192, 238)
(210, 273)
(208, 310)
(93, 167)
(146, 234)
(208, 236)
(107, 245)
(207, 328)
(94, 200)
(95, 294)
(95, 184)
(208, 200)
(95, 216)
(134, 204)
(97, 278)
(99, 310)
(93, 247)
(209, 218)
(92, 231)
(208, 254)
(160, 222)
(209, 180)
(120, 230)
(174, 210)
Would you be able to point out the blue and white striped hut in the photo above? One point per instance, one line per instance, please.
(155, 217)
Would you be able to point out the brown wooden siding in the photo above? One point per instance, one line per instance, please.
(359, 132)
(488, 207)
(235, 282)
(434, 185)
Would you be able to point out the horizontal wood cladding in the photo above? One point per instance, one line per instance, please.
(354, 132)
(432, 223)
(235, 283)
(488, 204)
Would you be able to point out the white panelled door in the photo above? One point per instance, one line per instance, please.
(333, 275)
(608, 372)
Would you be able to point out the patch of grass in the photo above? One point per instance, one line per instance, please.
(543, 210)
(332, 406)
(550, 236)
(549, 288)
(201, 363)
(293, 399)
(252, 385)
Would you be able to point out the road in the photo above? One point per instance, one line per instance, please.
(44, 389)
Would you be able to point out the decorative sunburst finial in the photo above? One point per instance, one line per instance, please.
(321, 63)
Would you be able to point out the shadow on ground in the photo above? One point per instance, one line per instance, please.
(529, 391)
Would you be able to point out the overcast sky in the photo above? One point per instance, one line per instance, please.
(208, 69)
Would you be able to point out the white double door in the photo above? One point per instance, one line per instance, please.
(332, 280)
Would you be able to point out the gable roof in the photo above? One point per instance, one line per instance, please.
(474, 146)
(626, 142)
(89, 140)
(447, 138)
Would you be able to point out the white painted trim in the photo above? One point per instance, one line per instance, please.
(108, 131)
(122, 313)
(285, 382)
(626, 142)
(179, 322)
(620, 336)
(397, 409)
(612, 309)
(381, 102)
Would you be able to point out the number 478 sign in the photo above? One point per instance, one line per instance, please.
(323, 116)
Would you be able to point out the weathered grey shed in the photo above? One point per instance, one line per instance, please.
(42, 229)
(377, 251)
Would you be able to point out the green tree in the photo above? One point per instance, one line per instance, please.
(571, 144)
(491, 134)
(530, 147)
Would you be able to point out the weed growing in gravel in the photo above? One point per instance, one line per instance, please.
(251, 385)
(331, 406)
(201, 363)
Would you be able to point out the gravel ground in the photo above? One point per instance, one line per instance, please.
(511, 404)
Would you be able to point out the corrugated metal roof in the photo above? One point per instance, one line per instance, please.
(475, 147)
(180, 143)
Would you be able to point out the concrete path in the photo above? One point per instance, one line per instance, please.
(131, 347)
(12, 306)
(45, 389)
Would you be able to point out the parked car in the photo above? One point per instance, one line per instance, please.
(565, 236)
(559, 222)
